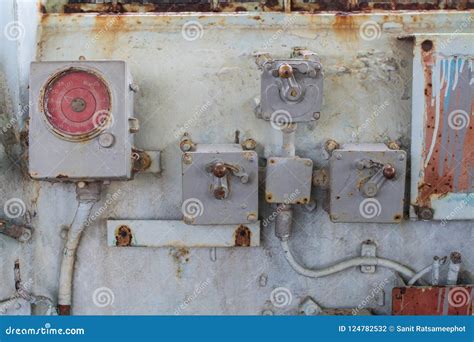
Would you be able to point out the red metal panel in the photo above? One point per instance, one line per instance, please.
(439, 300)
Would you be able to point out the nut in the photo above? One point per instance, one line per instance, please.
(389, 171)
(219, 170)
(249, 144)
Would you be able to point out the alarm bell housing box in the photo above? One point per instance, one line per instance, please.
(80, 120)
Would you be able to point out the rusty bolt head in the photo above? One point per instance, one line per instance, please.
(393, 145)
(219, 170)
(389, 171)
(249, 144)
(285, 71)
(219, 193)
(331, 145)
(187, 158)
(425, 213)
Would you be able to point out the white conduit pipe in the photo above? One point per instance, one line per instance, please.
(343, 265)
(86, 199)
(420, 274)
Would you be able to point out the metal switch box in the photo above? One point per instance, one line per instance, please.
(220, 185)
(291, 89)
(81, 120)
(367, 183)
(288, 180)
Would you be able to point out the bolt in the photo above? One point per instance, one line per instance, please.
(244, 179)
(219, 193)
(316, 115)
(401, 157)
(285, 71)
(81, 184)
(338, 156)
(78, 105)
(425, 213)
(331, 145)
(219, 170)
(393, 145)
(186, 145)
(389, 171)
(249, 144)
(267, 313)
(308, 163)
(252, 217)
(187, 158)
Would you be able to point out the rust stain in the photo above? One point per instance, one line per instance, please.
(450, 151)
(180, 257)
(123, 236)
(242, 236)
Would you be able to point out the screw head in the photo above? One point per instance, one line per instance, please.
(425, 213)
(187, 158)
(106, 140)
(316, 115)
(252, 217)
(338, 156)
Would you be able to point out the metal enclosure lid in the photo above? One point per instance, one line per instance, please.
(199, 206)
(348, 203)
(442, 152)
(103, 156)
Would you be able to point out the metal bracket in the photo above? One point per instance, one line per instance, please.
(19, 232)
(368, 249)
(174, 233)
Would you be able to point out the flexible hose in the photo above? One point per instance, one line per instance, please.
(69, 255)
(343, 265)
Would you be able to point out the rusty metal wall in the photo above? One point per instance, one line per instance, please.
(205, 80)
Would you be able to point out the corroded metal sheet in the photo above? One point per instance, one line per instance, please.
(173, 233)
(443, 135)
(441, 300)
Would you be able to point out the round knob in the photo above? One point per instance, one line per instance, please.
(389, 171)
(219, 170)
(285, 71)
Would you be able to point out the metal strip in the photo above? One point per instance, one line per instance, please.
(174, 233)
